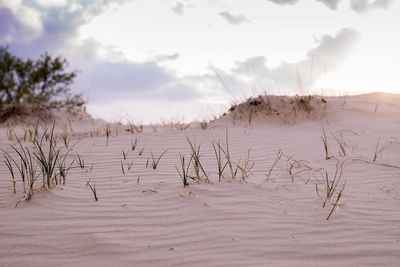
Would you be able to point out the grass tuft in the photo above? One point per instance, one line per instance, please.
(198, 167)
(44, 158)
(325, 142)
(184, 172)
(221, 164)
(156, 160)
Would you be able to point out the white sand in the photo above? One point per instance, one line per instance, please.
(278, 222)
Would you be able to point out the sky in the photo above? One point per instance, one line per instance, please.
(155, 60)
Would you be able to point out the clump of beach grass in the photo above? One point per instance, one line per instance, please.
(221, 164)
(336, 203)
(297, 166)
(133, 128)
(333, 184)
(232, 167)
(196, 160)
(246, 166)
(204, 125)
(156, 160)
(225, 162)
(184, 169)
(43, 158)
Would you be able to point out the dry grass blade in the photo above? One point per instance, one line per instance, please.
(133, 144)
(8, 163)
(108, 133)
(93, 189)
(81, 161)
(122, 168)
(378, 150)
(332, 185)
(141, 152)
(227, 154)
(341, 143)
(124, 155)
(129, 165)
(336, 204)
(297, 167)
(246, 166)
(278, 157)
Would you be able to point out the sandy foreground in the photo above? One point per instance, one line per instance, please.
(146, 217)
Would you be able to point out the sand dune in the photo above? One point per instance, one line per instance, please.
(147, 218)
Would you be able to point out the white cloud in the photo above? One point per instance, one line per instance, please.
(363, 6)
(332, 4)
(178, 8)
(52, 3)
(360, 6)
(329, 53)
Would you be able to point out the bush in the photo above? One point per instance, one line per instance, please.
(28, 84)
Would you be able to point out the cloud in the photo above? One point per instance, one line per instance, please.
(363, 6)
(329, 53)
(233, 19)
(179, 8)
(284, 2)
(113, 81)
(360, 6)
(106, 75)
(332, 4)
(168, 57)
(18, 22)
(48, 25)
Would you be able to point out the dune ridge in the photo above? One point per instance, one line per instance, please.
(146, 217)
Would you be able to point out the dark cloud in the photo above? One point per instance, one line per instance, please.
(22, 28)
(10, 26)
(58, 24)
(325, 57)
(105, 74)
(233, 19)
(360, 6)
(179, 8)
(129, 80)
(121, 79)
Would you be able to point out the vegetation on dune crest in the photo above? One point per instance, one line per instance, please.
(30, 86)
(286, 108)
